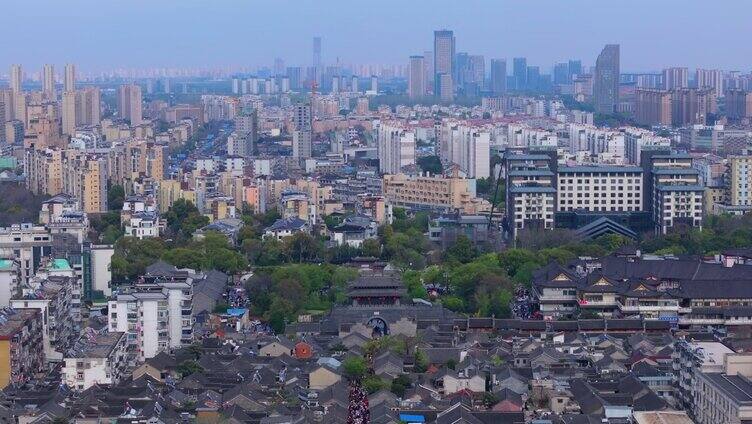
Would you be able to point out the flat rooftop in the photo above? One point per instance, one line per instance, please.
(16, 320)
(98, 346)
(736, 387)
(713, 352)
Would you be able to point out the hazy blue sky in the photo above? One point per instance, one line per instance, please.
(108, 34)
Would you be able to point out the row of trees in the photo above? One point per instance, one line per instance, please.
(132, 256)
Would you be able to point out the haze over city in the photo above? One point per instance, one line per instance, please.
(390, 212)
(103, 36)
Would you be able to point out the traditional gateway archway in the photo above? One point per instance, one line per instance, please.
(378, 327)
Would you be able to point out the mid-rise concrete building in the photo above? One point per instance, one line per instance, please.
(156, 315)
(53, 296)
(438, 193)
(530, 192)
(27, 244)
(673, 190)
(637, 139)
(95, 359)
(21, 348)
(599, 188)
(396, 146)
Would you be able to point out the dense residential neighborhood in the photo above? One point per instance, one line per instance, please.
(430, 242)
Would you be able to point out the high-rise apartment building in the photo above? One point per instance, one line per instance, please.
(246, 131)
(69, 83)
(738, 104)
(653, 107)
(48, 81)
(606, 80)
(498, 76)
(674, 78)
(416, 88)
(443, 59)
(396, 146)
(69, 112)
(90, 102)
(84, 176)
(474, 151)
(6, 108)
(691, 106)
(710, 78)
(129, 103)
(302, 131)
(80, 107)
(16, 78)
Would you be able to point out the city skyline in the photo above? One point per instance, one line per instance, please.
(543, 33)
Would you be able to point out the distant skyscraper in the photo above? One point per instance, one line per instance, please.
(129, 103)
(461, 63)
(317, 52)
(475, 75)
(374, 84)
(575, 68)
(354, 84)
(69, 84)
(606, 80)
(519, 72)
(335, 84)
(533, 78)
(48, 81)
(16, 78)
(279, 66)
(295, 73)
(428, 60)
(561, 73)
(498, 76)
(416, 88)
(675, 78)
(444, 87)
(443, 63)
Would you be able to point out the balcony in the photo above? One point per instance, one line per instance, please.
(701, 321)
(597, 303)
(558, 298)
(648, 308)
